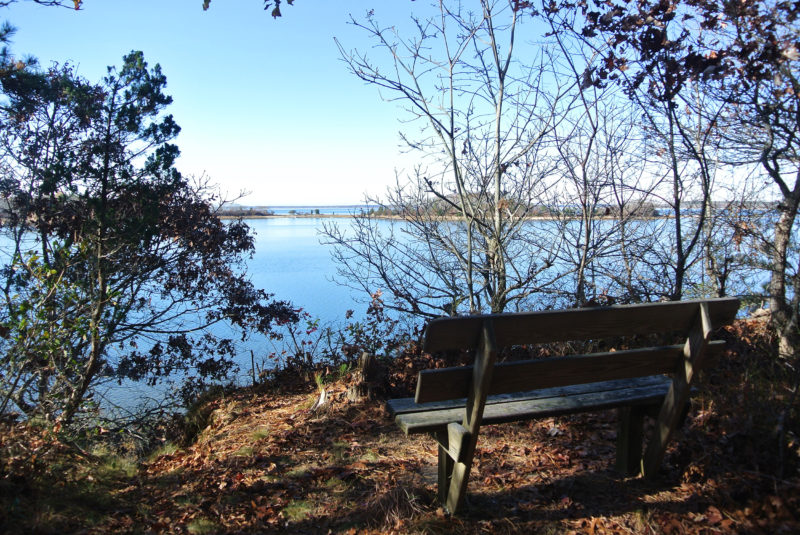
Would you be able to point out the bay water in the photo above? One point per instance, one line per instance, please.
(291, 263)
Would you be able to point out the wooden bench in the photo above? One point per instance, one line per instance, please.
(452, 403)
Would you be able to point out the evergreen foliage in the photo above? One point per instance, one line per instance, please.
(119, 263)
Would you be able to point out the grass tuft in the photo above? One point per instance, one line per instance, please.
(202, 526)
(298, 510)
(260, 433)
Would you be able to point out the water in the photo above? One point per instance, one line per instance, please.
(291, 263)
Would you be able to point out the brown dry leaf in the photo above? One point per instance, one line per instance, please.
(673, 526)
(713, 515)
(298, 467)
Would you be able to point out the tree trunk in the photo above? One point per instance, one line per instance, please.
(783, 312)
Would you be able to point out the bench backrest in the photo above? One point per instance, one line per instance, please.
(487, 333)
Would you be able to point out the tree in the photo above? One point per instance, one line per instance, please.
(680, 144)
(76, 4)
(119, 265)
(274, 4)
(602, 188)
(747, 55)
(465, 243)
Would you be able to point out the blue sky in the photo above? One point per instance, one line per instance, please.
(265, 105)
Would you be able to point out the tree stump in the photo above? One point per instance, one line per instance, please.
(367, 376)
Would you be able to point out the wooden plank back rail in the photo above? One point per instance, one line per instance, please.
(452, 403)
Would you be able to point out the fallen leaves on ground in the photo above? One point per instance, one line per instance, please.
(267, 463)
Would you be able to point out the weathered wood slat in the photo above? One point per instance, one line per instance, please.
(671, 412)
(576, 324)
(480, 379)
(408, 405)
(446, 463)
(449, 383)
(433, 421)
(453, 383)
(453, 439)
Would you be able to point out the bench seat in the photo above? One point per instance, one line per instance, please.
(415, 418)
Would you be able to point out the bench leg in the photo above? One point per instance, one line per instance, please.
(454, 475)
(672, 414)
(458, 486)
(673, 410)
(629, 439)
(445, 466)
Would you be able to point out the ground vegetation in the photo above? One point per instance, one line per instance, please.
(263, 461)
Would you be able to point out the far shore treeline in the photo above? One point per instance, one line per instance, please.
(638, 210)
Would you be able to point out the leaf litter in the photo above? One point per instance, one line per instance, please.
(267, 463)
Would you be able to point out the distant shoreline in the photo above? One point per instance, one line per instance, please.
(285, 216)
(337, 212)
(447, 218)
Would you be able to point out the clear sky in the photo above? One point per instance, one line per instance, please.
(265, 105)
